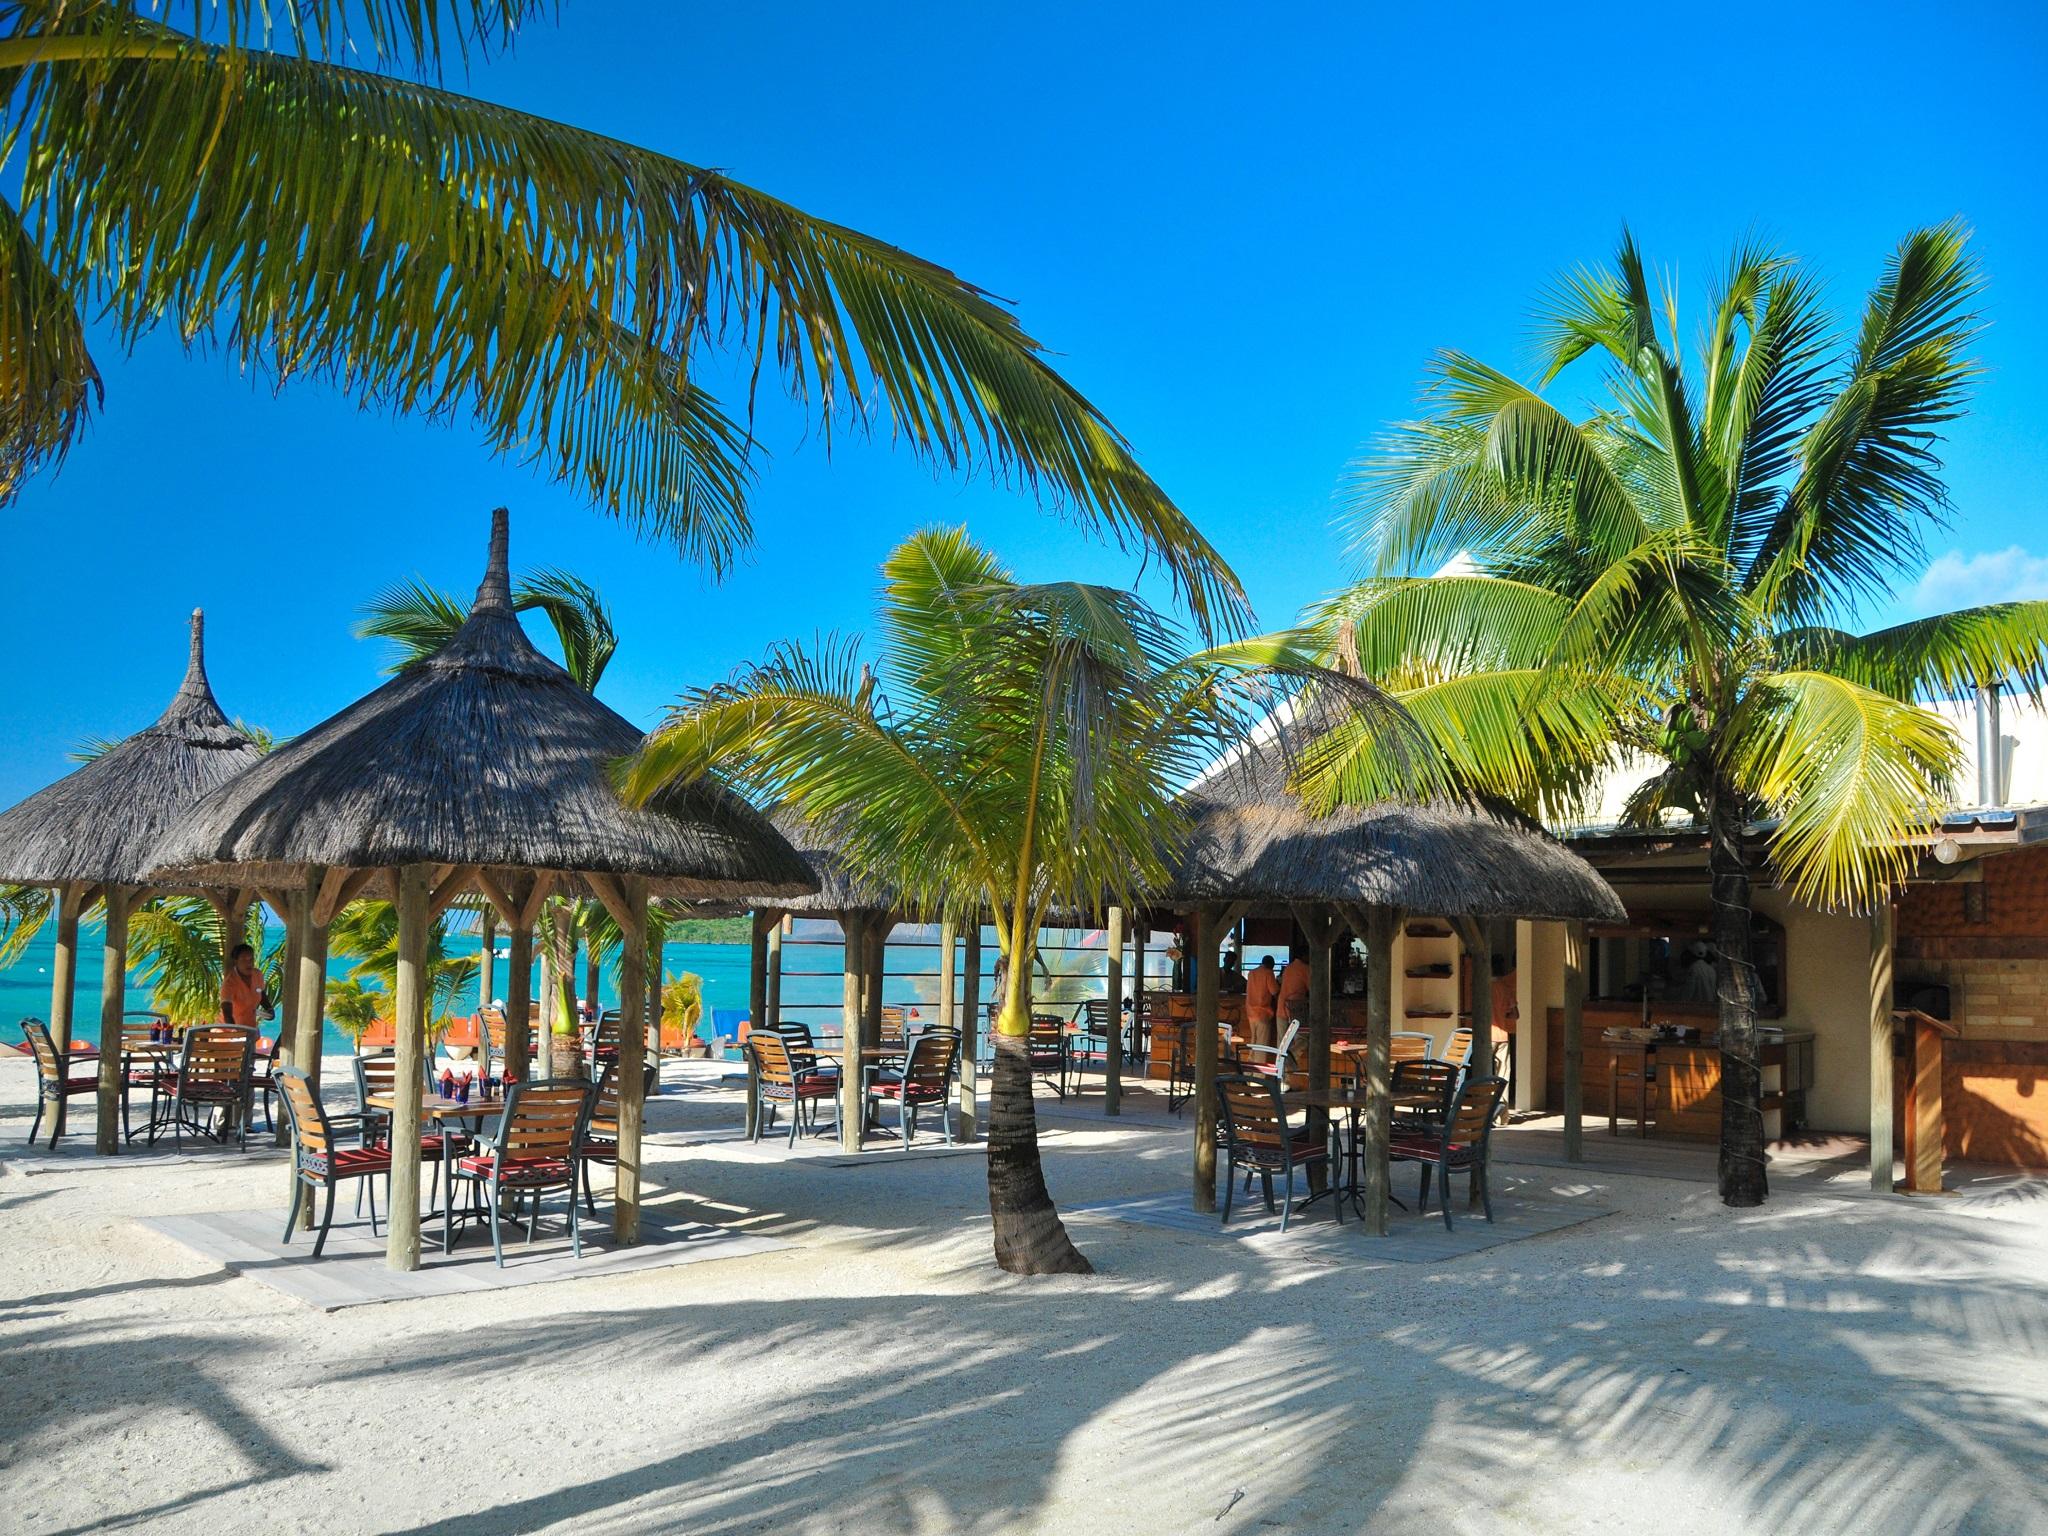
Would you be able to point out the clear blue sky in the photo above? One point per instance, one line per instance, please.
(1244, 231)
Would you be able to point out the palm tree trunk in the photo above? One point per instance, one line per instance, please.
(1742, 1119)
(1030, 1238)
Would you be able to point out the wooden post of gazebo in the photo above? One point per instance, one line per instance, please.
(1113, 1047)
(1574, 1041)
(757, 1005)
(774, 1008)
(1319, 928)
(625, 897)
(119, 901)
(970, 1030)
(487, 973)
(1379, 927)
(409, 1026)
(1478, 943)
(852, 1105)
(64, 969)
(1207, 937)
(1880, 1003)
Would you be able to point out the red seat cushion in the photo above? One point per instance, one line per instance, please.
(349, 1160)
(811, 1088)
(80, 1084)
(1424, 1146)
(517, 1169)
(920, 1093)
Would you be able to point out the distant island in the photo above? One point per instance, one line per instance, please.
(712, 930)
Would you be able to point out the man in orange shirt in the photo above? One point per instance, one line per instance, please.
(1294, 988)
(242, 998)
(1261, 995)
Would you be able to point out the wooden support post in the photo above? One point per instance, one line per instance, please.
(1574, 1042)
(1320, 930)
(632, 919)
(1113, 1047)
(1207, 937)
(970, 1031)
(64, 971)
(119, 902)
(774, 1009)
(1478, 944)
(1880, 1004)
(409, 1021)
(519, 1000)
(852, 1099)
(757, 1008)
(1380, 927)
(309, 986)
(487, 970)
(874, 977)
(1926, 1128)
(1532, 1029)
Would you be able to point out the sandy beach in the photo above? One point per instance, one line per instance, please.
(1839, 1364)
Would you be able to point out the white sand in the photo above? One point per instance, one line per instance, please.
(1826, 1365)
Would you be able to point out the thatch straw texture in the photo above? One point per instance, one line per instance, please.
(487, 753)
(839, 888)
(102, 822)
(1253, 840)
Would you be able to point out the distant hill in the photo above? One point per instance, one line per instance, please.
(712, 930)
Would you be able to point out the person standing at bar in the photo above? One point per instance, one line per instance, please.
(1261, 997)
(1294, 987)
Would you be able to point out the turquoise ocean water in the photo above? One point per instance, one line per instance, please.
(811, 982)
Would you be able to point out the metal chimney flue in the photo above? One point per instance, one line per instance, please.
(1990, 748)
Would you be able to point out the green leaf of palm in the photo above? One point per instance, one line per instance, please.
(442, 256)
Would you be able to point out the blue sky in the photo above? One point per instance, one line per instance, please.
(1243, 231)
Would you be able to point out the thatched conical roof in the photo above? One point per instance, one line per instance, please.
(487, 753)
(839, 889)
(102, 822)
(1253, 840)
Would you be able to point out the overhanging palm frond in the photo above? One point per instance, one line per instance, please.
(443, 256)
(1869, 481)
(48, 382)
(2002, 645)
(23, 911)
(1851, 772)
(401, 33)
(417, 619)
(581, 621)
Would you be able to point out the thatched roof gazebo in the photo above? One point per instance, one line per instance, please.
(1254, 846)
(91, 837)
(485, 767)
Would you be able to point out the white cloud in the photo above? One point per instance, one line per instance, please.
(1957, 580)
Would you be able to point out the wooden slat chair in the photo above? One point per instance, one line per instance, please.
(1048, 1050)
(1460, 1141)
(601, 1132)
(602, 1045)
(491, 1041)
(320, 1161)
(1458, 1049)
(534, 1149)
(891, 1025)
(1256, 1137)
(1151, 1008)
(376, 1075)
(144, 1070)
(780, 1082)
(215, 1076)
(1180, 1072)
(926, 1079)
(1101, 1033)
(802, 1046)
(58, 1080)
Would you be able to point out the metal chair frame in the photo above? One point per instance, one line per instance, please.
(54, 1081)
(1442, 1153)
(207, 1092)
(492, 1186)
(779, 1080)
(1262, 1149)
(319, 1167)
(922, 1047)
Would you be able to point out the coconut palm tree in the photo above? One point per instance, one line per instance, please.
(1677, 573)
(1014, 751)
(431, 253)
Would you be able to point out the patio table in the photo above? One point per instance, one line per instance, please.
(446, 1114)
(1353, 1102)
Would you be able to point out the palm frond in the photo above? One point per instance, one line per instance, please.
(48, 381)
(445, 257)
(2002, 645)
(23, 911)
(417, 619)
(1869, 480)
(1851, 773)
(581, 621)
